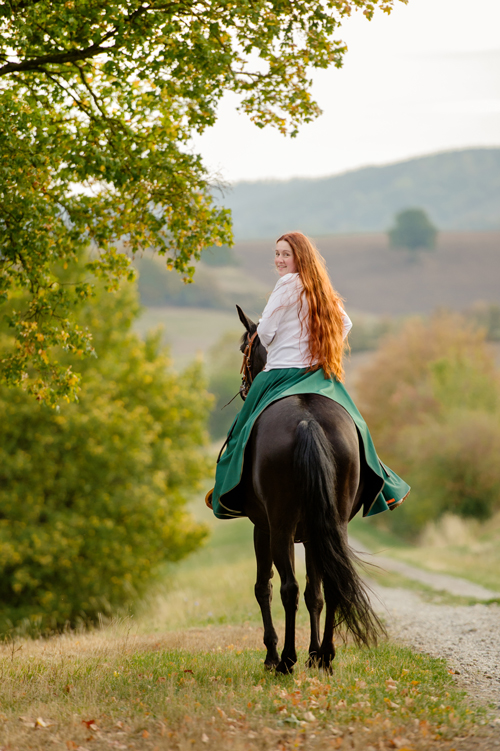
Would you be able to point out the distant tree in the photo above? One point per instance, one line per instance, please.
(92, 495)
(100, 101)
(413, 230)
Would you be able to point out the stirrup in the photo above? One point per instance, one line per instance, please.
(208, 498)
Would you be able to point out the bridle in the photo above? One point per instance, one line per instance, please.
(246, 369)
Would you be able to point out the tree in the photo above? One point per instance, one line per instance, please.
(92, 495)
(412, 230)
(99, 103)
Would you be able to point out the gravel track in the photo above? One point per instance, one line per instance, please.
(468, 637)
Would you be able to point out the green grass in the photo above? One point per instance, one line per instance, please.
(216, 584)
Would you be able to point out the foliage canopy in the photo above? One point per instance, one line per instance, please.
(99, 102)
(92, 495)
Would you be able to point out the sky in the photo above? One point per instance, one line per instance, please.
(422, 80)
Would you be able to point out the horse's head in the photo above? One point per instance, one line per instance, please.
(254, 352)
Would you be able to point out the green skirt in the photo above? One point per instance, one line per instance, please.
(388, 490)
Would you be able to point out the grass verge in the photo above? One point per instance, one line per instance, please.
(187, 672)
(207, 688)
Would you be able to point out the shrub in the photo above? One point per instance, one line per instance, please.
(431, 399)
(92, 495)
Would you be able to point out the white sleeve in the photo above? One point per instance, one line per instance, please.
(273, 313)
(347, 323)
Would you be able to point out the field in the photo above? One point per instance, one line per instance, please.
(376, 279)
(187, 672)
(188, 332)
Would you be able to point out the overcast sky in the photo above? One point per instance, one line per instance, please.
(422, 80)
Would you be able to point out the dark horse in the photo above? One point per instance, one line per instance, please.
(302, 480)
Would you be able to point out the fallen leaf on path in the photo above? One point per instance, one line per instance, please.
(205, 738)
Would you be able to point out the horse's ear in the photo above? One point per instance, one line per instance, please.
(246, 321)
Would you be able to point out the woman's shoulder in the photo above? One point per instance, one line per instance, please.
(287, 281)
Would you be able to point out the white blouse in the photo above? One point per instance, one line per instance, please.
(280, 330)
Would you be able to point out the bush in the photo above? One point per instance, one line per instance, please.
(92, 495)
(431, 399)
(367, 331)
(487, 317)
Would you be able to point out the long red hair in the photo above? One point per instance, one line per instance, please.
(325, 324)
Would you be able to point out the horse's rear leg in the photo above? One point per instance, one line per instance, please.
(327, 650)
(264, 593)
(314, 601)
(283, 553)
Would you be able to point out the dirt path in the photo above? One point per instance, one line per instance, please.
(441, 582)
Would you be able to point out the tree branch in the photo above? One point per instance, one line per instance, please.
(38, 63)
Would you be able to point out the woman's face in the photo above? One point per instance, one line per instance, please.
(284, 258)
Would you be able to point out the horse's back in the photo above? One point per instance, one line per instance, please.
(271, 476)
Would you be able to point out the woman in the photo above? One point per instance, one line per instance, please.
(303, 328)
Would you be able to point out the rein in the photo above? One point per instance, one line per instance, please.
(246, 382)
(246, 369)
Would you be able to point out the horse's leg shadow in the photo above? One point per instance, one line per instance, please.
(283, 553)
(264, 593)
(314, 602)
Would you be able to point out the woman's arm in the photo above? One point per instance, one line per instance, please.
(274, 311)
(347, 323)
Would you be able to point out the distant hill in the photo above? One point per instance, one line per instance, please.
(460, 190)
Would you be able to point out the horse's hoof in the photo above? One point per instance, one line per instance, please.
(312, 661)
(271, 664)
(325, 662)
(284, 667)
(327, 667)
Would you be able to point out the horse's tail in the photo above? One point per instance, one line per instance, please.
(345, 593)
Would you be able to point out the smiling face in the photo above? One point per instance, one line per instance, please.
(284, 259)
